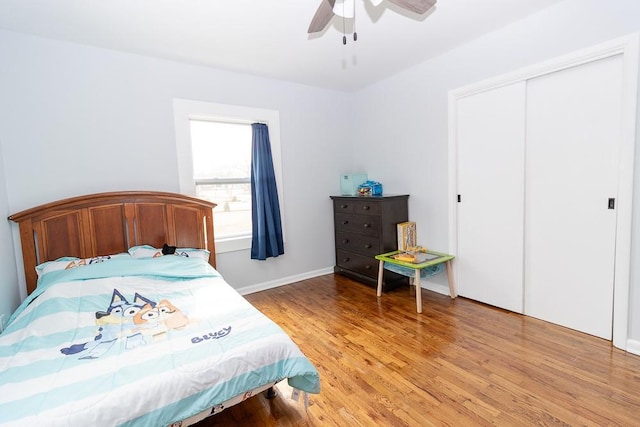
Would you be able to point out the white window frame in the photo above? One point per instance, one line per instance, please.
(185, 110)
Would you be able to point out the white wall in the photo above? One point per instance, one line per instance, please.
(76, 119)
(8, 273)
(410, 152)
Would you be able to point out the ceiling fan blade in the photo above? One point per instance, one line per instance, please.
(322, 17)
(417, 6)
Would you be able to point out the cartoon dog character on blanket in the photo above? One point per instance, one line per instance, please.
(154, 320)
(137, 323)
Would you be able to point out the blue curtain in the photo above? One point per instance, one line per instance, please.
(267, 228)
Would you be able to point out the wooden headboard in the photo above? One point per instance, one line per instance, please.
(110, 223)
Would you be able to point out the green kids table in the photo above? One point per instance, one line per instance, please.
(430, 263)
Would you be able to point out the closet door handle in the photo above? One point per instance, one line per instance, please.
(612, 203)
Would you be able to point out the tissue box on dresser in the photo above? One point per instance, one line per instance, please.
(349, 183)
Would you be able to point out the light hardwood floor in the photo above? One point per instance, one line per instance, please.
(459, 363)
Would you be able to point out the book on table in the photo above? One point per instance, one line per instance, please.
(407, 235)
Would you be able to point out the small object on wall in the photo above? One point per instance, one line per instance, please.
(370, 188)
(407, 235)
(349, 183)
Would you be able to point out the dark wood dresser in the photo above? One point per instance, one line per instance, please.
(365, 226)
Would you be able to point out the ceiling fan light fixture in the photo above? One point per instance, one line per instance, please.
(345, 8)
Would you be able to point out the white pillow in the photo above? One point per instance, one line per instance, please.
(193, 253)
(144, 251)
(66, 263)
(147, 251)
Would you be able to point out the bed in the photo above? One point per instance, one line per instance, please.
(127, 321)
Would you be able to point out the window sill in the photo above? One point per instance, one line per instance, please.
(233, 244)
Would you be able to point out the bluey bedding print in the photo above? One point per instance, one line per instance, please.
(146, 342)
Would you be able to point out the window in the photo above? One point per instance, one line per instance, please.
(213, 144)
(222, 173)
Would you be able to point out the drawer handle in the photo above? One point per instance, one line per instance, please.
(344, 206)
(347, 259)
(367, 267)
(367, 246)
(345, 241)
(367, 225)
(345, 222)
(366, 207)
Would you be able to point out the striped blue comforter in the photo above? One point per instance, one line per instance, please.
(161, 340)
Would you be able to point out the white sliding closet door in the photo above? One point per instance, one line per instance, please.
(490, 154)
(572, 148)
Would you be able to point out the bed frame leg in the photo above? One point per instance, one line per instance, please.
(271, 393)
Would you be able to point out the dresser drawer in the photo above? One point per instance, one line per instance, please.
(365, 245)
(358, 263)
(366, 207)
(342, 206)
(360, 224)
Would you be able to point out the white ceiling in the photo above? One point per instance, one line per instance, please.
(268, 37)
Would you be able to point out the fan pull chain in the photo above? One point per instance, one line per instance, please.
(355, 34)
(344, 31)
(344, 27)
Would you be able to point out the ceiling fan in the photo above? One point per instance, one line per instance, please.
(346, 9)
